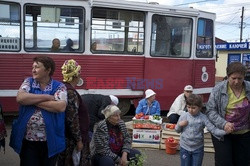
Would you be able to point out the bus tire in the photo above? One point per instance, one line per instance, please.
(124, 105)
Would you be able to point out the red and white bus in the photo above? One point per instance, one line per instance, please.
(124, 47)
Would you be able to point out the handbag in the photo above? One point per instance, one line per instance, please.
(76, 157)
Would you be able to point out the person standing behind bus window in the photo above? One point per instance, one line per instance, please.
(228, 108)
(38, 133)
(191, 125)
(148, 105)
(179, 105)
(93, 46)
(77, 120)
(55, 45)
(69, 45)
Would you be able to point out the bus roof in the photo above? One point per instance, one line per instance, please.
(150, 7)
(129, 5)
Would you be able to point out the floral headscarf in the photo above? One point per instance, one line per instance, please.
(70, 69)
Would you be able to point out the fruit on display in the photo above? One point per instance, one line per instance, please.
(171, 140)
(146, 126)
(156, 117)
(170, 126)
(139, 116)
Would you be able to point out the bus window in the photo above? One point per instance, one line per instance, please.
(171, 36)
(9, 27)
(117, 31)
(204, 47)
(43, 24)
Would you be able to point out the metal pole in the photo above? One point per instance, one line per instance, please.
(241, 24)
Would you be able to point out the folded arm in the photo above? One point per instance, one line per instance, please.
(25, 98)
(53, 106)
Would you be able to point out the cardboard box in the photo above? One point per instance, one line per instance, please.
(146, 138)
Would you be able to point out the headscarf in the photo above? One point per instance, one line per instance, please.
(70, 69)
(110, 110)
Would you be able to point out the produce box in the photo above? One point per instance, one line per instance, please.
(149, 123)
(146, 138)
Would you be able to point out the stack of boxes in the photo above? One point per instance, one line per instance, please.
(166, 133)
(150, 138)
(146, 134)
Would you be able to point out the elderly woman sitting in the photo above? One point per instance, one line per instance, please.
(111, 143)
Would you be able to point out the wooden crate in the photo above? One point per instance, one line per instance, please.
(145, 145)
(129, 126)
(208, 145)
(168, 133)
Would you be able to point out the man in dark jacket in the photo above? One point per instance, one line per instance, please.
(95, 103)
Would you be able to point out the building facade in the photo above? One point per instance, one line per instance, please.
(230, 52)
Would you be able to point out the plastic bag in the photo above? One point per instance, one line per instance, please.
(76, 156)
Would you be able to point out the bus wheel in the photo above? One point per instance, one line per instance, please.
(124, 105)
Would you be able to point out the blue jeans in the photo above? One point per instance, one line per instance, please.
(99, 160)
(191, 158)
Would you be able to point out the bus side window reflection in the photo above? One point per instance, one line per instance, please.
(171, 36)
(117, 31)
(43, 23)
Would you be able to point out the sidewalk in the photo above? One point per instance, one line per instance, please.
(154, 157)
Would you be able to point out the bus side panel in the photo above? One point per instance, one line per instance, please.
(98, 72)
(174, 73)
(204, 73)
(9, 104)
(112, 72)
(12, 70)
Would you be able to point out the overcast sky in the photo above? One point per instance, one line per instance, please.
(228, 15)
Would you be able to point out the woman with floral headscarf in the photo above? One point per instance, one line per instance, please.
(77, 121)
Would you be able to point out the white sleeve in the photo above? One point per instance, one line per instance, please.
(177, 106)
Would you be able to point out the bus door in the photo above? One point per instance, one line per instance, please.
(169, 68)
(204, 64)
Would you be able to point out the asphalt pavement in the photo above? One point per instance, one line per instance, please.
(153, 157)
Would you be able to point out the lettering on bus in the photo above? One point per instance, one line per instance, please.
(204, 46)
(121, 83)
